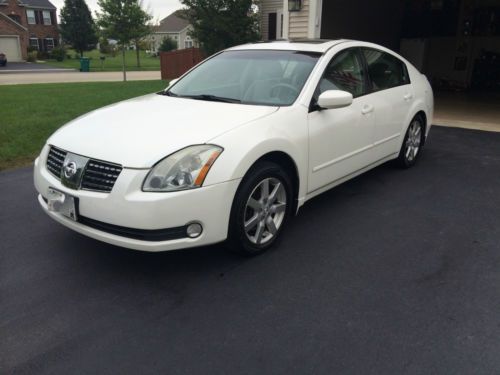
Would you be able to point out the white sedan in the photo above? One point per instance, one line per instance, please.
(236, 146)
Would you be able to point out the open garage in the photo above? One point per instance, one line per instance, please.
(455, 43)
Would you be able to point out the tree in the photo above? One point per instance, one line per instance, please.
(219, 24)
(123, 20)
(167, 45)
(77, 26)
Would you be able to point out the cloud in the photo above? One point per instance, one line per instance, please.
(157, 8)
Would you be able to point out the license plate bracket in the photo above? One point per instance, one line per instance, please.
(62, 203)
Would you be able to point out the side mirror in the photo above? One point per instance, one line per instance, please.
(335, 99)
(172, 82)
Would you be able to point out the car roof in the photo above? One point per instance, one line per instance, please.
(305, 45)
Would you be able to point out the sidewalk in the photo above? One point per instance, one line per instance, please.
(72, 76)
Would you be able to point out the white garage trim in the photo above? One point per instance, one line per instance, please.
(19, 56)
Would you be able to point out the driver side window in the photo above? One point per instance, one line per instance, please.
(344, 72)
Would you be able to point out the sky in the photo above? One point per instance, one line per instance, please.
(159, 9)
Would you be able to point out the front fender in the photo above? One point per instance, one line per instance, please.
(284, 131)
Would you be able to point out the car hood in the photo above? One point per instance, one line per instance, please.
(137, 133)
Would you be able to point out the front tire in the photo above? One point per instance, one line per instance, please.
(260, 210)
(412, 144)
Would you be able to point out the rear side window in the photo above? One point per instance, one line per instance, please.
(385, 70)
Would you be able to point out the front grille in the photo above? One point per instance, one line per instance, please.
(100, 175)
(97, 175)
(55, 161)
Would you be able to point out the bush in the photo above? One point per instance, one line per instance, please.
(58, 53)
(32, 56)
(167, 45)
(104, 46)
(41, 55)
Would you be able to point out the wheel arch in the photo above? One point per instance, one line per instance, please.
(285, 161)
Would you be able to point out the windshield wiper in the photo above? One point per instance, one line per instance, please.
(212, 98)
(167, 93)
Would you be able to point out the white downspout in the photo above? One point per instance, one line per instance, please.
(315, 10)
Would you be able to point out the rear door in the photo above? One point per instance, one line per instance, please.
(391, 94)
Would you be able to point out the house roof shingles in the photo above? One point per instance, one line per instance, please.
(45, 4)
(172, 24)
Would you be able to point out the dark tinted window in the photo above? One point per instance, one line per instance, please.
(344, 72)
(385, 70)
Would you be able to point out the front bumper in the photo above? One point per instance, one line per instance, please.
(126, 206)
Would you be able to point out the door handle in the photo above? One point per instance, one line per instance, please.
(367, 109)
(408, 97)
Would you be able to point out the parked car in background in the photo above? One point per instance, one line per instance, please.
(235, 146)
(3, 59)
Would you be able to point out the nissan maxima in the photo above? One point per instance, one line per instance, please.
(231, 150)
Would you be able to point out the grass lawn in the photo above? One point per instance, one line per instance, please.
(31, 113)
(111, 63)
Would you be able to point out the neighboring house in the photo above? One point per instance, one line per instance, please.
(25, 23)
(175, 28)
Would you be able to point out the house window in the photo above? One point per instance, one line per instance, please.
(46, 18)
(30, 13)
(34, 43)
(188, 43)
(49, 44)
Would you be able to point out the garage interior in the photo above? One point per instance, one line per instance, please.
(455, 43)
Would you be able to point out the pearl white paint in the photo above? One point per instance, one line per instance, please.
(327, 147)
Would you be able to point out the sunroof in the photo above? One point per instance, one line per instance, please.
(310, 41)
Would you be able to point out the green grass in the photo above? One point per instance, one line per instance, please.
(110, 64)
(31, 113)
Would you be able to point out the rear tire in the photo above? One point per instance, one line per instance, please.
(261, 209)
(412, 144)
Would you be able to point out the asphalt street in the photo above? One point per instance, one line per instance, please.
(395, 272)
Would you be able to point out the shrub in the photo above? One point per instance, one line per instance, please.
(41, 55)
(58, 53)
(32, 56)
(167, 44)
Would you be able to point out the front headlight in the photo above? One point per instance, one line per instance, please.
(185, 169)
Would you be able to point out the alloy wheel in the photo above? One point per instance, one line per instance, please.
(412, 145)
(265, 211)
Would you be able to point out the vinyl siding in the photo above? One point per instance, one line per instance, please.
(299, 22)
(269, 6)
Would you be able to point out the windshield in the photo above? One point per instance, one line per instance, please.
(249, 77)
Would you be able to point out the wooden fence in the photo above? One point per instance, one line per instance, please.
(176, 63)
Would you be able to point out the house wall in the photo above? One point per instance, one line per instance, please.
(41, 31)
(299, 22)
(9, 28)
(157, 39)
(270, 6)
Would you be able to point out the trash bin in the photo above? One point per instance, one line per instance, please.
(84, 64)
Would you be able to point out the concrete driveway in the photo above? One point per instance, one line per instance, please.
(395, 272)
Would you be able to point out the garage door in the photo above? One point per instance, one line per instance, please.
(10, 46)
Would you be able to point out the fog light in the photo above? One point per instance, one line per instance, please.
(194, 230)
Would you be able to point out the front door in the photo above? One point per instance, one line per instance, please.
(341, 140)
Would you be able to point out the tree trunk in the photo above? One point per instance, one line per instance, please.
(137, 53)
(123, 63)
